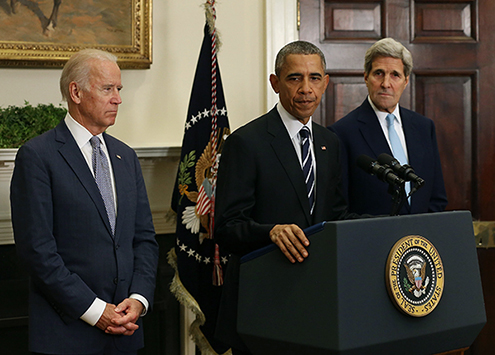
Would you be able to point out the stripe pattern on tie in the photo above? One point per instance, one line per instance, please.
(397, 149)
(102, 178)
(307, 166)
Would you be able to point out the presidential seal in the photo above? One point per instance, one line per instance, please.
(415, 276)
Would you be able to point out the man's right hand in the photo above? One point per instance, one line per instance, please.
(291, 240)
(105, 322)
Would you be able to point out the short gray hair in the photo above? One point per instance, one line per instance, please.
(388, 47)
(297, 47)
(77, 69)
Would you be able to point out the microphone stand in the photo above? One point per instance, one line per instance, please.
(398, 193)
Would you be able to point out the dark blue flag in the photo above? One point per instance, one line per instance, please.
(198, 260)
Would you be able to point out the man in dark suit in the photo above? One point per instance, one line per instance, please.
(388, 65)
(90, 251)
(262, 196)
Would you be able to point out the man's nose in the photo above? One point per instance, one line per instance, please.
(305, 86)
(116, 99)
(386, 82)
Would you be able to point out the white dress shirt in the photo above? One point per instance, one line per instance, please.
(382, 118)
(293, 126)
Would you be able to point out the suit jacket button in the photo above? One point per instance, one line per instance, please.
(115, 280)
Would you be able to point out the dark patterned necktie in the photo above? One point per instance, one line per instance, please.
(307, 166)
(102, 178)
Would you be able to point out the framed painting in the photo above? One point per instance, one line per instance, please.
(45, 33)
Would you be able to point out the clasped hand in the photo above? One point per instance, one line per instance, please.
(291, 240)
(121, 319)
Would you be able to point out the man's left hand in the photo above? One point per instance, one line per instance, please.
(130, 309)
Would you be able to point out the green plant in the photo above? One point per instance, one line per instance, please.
(18, 124)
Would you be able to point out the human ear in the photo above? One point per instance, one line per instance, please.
(75, 92)
(274, 81)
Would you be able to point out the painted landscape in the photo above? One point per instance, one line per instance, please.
(79, 22)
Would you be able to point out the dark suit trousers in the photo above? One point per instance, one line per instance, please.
(109, 350)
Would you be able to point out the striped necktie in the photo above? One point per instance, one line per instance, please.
(102, 178)
(397, 149)
(307, 166)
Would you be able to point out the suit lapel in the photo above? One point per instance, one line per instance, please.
(322, 169)
(74, 158)
(415, 149)
(120, 175)
(372, 131)
(288, 158)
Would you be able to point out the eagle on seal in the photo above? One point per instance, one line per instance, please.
(416, 272)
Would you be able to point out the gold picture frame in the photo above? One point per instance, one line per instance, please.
(123, 28)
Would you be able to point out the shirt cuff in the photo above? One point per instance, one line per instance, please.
(143, 300)
(94, 312)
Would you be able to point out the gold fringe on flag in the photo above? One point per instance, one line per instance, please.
(188, 301)
(211, 16)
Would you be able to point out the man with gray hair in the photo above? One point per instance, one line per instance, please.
(380, 125)
(82, 222)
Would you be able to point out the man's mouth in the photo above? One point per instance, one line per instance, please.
(305, 101)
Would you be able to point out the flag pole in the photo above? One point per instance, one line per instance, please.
(211, 18)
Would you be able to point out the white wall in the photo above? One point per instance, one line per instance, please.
(155, 101)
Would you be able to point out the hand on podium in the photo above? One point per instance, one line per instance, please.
(291, 240)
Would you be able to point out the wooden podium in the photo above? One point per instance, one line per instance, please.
(337, 300)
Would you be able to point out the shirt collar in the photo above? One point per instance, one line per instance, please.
(292, 124)
(383, 115)
(80, 134)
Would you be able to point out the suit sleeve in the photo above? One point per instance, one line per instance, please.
(144, 243)
(344, 162)
(235, 199)
(32, 218)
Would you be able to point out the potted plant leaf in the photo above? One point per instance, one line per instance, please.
(18, 124)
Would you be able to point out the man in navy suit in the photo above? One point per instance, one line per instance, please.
(92, 277)
(388, 65)
(262, 196)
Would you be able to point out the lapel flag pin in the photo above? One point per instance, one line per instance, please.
(323, 147)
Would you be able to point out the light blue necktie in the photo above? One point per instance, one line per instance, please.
(397, 149)
(102, 178)
(308, 169)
